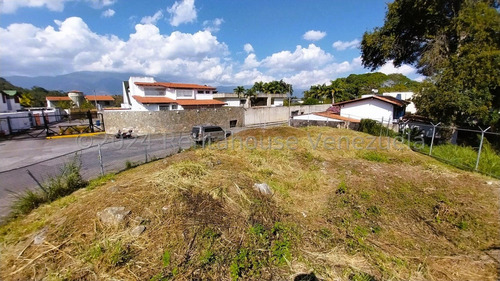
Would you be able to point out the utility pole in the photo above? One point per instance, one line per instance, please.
(289, 104)
(95, 100)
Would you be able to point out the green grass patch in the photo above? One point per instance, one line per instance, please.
(100, 181)
(375, 156)
(66, 182)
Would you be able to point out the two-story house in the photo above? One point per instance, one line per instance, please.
(145, 94)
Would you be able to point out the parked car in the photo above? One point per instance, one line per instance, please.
(208, 133)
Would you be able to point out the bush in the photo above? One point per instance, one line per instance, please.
(66, 182)
(372, 127)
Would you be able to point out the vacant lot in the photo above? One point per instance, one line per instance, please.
(338, 214)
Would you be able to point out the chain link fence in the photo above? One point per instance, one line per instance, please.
(97, 155)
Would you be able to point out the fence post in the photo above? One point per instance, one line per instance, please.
(146, 153)
(100, 159)
(381, 127)
(91, 124)
(46, 126)
(480, 146)
(9, 125)
(433, 134)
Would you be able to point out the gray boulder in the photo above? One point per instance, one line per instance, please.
(263, 188)
(113, 215)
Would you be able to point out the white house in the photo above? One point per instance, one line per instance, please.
(9, 101)
(379, 108)
(100, 101)
(232, 99)
(11, 118)
(53, 102)
(145, 94)
(405, 96)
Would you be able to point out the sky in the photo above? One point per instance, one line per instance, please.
(215, 42)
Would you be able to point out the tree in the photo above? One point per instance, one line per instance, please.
(26, 99)
(240, 90)
(356, 85)
(456, 44)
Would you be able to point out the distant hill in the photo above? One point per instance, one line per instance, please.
(101, 82)
(109, 83)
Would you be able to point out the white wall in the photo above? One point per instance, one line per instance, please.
(136, 90)
(278, 102)
(313, 117)
(406, 96)
(13, 105)
(16, 124)
(262, 115)
(368, 109)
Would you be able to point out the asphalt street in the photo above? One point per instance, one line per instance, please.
(44, 158)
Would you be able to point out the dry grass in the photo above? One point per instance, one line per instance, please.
(342, 214)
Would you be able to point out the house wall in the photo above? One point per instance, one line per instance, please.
(18, 121)
(159, 122)
(406, 96)
(368, 109)
(4, 107)
(263, 115)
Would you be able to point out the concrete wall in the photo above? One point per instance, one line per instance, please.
(263, 115)
(158, 122)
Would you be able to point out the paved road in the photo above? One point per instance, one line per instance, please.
(44, 158)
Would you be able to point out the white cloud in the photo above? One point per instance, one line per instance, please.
(11, 6)
(108, 13)
(152, 19)
(251, 61)
(341, 45)
(248, 77)
(213, 25)
(304, 79)
(314, 35)
(98, 4)
(309, 58)
(198, 57)
(71, 46)
(248, 48)
(404, 69)
(182, 12)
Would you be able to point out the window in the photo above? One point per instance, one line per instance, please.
(232, 123)
(174, 107)
(184, 93)
(200, 92)
(3, 98)
(164, 107)
(153, 92)
(207, 92)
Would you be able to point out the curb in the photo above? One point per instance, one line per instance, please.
(75, 135)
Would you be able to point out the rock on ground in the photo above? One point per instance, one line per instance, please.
(113, 215)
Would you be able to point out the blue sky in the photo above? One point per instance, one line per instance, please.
(219, 42)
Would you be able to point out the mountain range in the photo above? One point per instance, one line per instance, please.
(107, 83)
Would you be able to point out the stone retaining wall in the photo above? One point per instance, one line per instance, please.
(159, 122)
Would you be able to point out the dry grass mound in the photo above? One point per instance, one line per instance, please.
(336, 213)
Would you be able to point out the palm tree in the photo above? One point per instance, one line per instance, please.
(239, 90)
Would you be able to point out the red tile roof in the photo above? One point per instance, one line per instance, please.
(336, 116)
(174, 85)
(153, 100)
(199, 102)
(387, 99)
(57, 98)
(99, 98)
